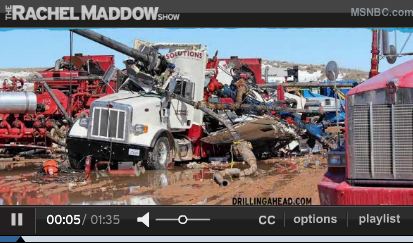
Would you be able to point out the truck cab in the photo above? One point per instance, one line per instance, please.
(376, 167)
(139, 124)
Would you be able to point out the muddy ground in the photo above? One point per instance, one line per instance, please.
(25, 184)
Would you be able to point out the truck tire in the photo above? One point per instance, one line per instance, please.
(160, 156)
(76, 162)
(114, 165)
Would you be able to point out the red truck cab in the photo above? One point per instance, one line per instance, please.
(376, 167)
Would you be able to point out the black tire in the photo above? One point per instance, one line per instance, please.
(160, 156)
(76, 162)
(114, 165)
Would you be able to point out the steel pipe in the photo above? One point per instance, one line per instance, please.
(18, 102)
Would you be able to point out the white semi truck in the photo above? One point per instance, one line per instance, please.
(137, 123)
(157, 116)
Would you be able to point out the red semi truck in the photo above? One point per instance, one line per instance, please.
(376, 167)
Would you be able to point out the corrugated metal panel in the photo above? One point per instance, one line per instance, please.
(403, 130)
(361, 140)
(108, 123)
(382, 137)
(382, 141)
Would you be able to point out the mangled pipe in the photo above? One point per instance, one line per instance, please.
(243, 148)
(242, 90)
(219, 179)
(267, 108)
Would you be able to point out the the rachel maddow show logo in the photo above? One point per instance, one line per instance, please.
(92, 12)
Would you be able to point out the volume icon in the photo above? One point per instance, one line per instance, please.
(144, 219)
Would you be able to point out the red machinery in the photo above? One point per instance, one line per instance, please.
(35, 119)
(232, 68)
(75, 95)
(247, 68)
(376, 166)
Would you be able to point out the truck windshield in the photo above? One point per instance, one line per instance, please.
(130, 85)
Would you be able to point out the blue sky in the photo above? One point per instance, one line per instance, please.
(349, 47)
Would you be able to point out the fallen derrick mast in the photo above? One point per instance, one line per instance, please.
(151, 119)
(36, 112)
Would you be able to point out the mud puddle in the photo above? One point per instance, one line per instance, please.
(181, 185)
(29, 186)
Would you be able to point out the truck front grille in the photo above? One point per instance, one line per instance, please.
(381, 141)
(108, 123)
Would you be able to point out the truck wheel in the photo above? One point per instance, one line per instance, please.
(114, 165)
(76, 162)
(160, 157)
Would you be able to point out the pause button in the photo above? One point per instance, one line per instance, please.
(16, 219)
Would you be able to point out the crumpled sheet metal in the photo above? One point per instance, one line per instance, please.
(263, 128)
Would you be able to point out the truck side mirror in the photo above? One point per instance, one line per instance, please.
(109, 74)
